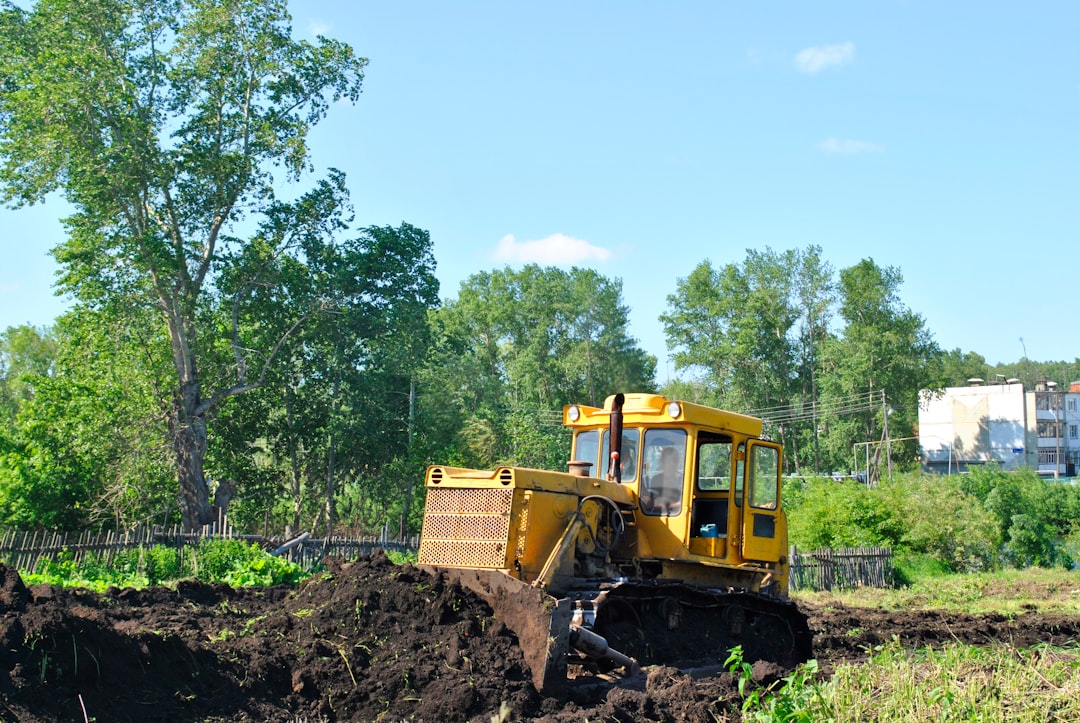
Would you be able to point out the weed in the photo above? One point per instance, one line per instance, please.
(505, 711)
(794, 699)
(348, 666)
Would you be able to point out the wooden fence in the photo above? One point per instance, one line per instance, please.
(845, 568)
(24, 550)
(818, 570)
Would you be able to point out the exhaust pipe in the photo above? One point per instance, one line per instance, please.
(614, 468)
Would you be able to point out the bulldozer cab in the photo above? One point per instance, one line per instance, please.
(707, 485)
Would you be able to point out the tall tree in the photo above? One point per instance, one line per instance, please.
(517, 345)
(161, 122)
(881, 360)
(752, 333)
(736, 325)
(337, 412)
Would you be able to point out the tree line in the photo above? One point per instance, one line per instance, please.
(228, 347)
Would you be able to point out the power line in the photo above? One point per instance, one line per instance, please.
(852, 404)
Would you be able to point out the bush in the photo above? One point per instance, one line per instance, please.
(234, 562)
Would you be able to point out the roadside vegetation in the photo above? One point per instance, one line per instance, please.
(982, 521)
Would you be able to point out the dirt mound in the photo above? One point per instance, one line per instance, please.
(368, 640)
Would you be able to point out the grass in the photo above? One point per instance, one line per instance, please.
(954, 682)
(1008, 592)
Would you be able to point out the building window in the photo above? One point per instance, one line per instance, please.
(1072, 431)
(1046, 402)
(1049, 430)
(1072, 405)
(1048, 456)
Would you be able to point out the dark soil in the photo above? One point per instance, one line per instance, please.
(368, 641)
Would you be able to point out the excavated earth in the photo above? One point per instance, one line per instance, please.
(369, 640)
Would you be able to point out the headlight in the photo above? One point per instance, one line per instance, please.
(674, 410)
(573, 413)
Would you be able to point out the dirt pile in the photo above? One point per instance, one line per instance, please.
(366, 641)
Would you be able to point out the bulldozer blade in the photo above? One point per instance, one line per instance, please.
(540, 621)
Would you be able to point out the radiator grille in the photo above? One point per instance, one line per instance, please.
(466, 527)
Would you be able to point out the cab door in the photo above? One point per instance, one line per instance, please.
(761, 539)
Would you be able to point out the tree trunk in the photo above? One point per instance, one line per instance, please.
(295, 486)
(190, 444)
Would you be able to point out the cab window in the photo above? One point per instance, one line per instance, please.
(586, 448)
(740, 468)
(764, 478)
(663, 466)
(714, 464)
(628, 460)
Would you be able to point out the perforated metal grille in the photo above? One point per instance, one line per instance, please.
(466, 527)
(522, 528)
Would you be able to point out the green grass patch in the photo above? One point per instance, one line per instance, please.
(957, 683)
(234, 562)
(952, 683)
(1008, 592)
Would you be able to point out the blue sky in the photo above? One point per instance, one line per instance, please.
(641, 138)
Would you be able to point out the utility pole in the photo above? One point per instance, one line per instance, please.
(888, 441)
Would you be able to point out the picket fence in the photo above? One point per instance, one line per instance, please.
(24, 550)
(841, 569)
(817, 570)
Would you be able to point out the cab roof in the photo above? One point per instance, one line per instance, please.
(640, 408)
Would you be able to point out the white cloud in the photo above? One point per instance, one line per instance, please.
(555, 249)
(849, 147)
(815, 60)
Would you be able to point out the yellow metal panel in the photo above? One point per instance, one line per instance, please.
(466, 527)
(711, 546)
(549, 514)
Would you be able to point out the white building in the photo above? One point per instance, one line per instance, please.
(964, 426)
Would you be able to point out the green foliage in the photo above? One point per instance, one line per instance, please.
(884, 347)
(234, 562)
(796, 698)
(537, 442)
(738, 325)
(90, 447)
(826, 513)
(935, 524)
(756, 336)
(401, 558)
(511, 350)
(1033, 516)
(241, 563)
(334, 426)
(26, 353)
(161, 123)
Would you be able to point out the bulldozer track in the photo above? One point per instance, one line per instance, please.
(672, 623)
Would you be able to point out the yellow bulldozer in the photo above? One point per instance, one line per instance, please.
(664, 542)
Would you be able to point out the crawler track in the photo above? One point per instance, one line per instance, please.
(671, 623)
